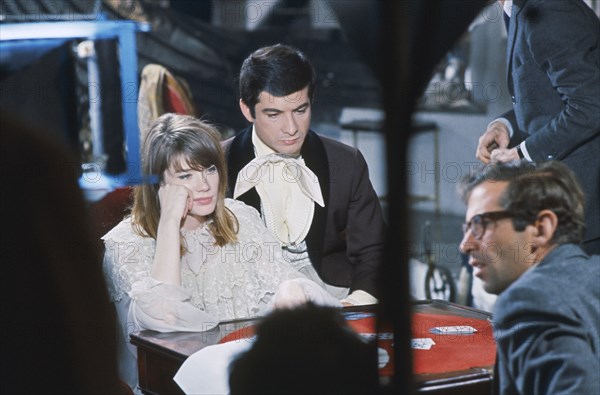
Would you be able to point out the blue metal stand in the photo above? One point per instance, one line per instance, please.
(94, 181)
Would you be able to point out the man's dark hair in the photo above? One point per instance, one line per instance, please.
(279, 70)
(306, 350)
(533, 188)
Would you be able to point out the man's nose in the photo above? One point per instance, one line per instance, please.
(290, 126)
(468, 243)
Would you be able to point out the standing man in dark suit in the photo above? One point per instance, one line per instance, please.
(553, 60)
(313, 192)
(523, 227)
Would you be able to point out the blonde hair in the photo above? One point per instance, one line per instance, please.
(171, 140)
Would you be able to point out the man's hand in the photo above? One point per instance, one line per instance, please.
(504, 155)
(290, 294)
(495, 137)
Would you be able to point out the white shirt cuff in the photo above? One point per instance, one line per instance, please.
(507, 7)
(359, 298)
(524, 151)
(504, 121)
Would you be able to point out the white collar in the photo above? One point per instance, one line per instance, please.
(260, 148)
(507, 6)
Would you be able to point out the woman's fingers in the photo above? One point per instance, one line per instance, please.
(175, 200)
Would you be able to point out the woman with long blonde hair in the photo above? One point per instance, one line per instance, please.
(187, 257)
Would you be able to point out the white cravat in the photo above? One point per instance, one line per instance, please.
(287, 188)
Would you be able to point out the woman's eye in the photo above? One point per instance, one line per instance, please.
(184, 176)
(211, 170)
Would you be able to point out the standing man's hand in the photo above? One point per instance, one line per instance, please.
(495, 137)
(504, 155)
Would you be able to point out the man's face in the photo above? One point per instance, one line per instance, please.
(281, 122)
(502, 254)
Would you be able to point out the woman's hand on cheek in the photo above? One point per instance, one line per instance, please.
(175, 201)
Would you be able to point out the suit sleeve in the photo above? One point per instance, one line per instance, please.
(564, 42)
(365, 229)
(517, 136)
(542, 347)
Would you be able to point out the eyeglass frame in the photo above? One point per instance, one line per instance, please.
(485, 219)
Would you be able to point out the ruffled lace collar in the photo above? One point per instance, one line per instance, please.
(203, 229)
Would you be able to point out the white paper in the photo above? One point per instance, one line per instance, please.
(453, 330)
(380, 336)
(383, 357)
(424, 343)
(207, 371)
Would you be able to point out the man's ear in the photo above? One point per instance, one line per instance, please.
(246, 111)
(545, 227)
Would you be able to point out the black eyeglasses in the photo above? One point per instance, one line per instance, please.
(478, 222)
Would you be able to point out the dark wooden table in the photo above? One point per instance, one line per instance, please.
(161, 354)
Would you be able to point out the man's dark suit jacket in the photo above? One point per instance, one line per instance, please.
(547, 327)
(553, 60)
(346, 239)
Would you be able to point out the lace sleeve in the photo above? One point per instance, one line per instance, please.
(127, 258)
(166, 308)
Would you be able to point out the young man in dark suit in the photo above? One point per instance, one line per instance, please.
(553, 61)
(313, 192)
(524, 226)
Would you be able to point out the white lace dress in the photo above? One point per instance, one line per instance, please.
(217, 283)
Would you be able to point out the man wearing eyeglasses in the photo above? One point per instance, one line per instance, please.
(524, 225)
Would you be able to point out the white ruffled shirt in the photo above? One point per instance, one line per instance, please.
(288, 188)
(238, 280)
